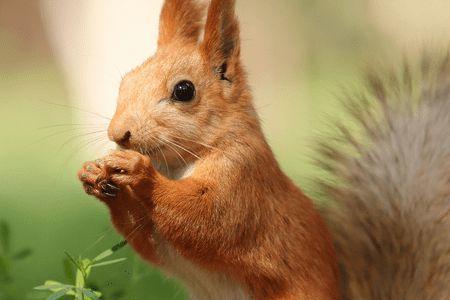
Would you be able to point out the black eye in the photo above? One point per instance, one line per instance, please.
(184, 91)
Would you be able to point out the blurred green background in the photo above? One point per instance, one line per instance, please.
(298, 52)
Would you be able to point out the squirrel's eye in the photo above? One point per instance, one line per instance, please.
(184, 91)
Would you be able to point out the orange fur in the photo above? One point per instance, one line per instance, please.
(236, 213)
(180, 20)
(221, 41)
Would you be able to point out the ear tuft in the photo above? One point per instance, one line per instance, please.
(221, 42)
(181, 20)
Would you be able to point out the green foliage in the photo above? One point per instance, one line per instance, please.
(78, 271)
(7, 259)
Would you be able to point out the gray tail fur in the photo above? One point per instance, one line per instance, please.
(389, 190)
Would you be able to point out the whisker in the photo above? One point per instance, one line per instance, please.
(58, 133)
(77, 108)
(71, 125)
(201, 144)
(80, 136)
(90, 142)
(181, 147)
(165, 160)
(178, 154)
(151, 154)
(194, 141)
(101, 146)
(156, 142)
(77, 150)
(109, 230)
(136, 221)
(98, 240)
(140, 226)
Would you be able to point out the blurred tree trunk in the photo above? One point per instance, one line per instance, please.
(22, 20)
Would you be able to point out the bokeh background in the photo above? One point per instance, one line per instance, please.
(61, 62)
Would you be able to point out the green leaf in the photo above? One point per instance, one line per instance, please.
(53, 286)
(69, 270)
(5, 234)
(59, 294)
(119, 246)
(78, 264)
(110, 251)
(47, 288)
(22, 254)
(109, 262)
(103, 255)
(86, 263)
(72, 259)
(79, 279)
(92, 295)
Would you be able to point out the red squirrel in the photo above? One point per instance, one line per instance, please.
(195, 188)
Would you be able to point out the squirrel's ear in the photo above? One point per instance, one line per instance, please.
(180, 20)
(221, 43)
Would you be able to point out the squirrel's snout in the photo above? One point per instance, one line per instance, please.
(121, 138)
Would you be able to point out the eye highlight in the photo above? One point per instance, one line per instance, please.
(184, 91)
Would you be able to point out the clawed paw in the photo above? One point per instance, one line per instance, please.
(106, 178)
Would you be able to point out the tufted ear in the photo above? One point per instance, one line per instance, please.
(221, 43)
(180, 20)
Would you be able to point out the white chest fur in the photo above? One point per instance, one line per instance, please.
(201, 284)
(174, 173)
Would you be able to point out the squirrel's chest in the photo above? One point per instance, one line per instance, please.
(201, 284)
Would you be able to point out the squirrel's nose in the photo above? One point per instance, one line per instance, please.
(122, 139)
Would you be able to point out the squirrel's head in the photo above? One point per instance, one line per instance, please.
(185, 97)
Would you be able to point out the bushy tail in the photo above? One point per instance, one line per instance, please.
(389, 208)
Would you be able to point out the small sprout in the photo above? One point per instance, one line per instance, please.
(8, 257)
(59, 294)
(109, 262)
(91, 294)
(69, 269)
(82, 268)
(110, 251)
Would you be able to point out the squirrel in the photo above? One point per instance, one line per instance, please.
(196, 190)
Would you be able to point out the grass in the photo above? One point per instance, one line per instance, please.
(78, 270)
(9, 257)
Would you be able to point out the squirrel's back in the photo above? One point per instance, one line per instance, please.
(389, 193)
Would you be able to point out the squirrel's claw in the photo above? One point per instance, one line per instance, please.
(108, 189)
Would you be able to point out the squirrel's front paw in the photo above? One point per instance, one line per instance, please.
(92, 175)
(107, 177)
